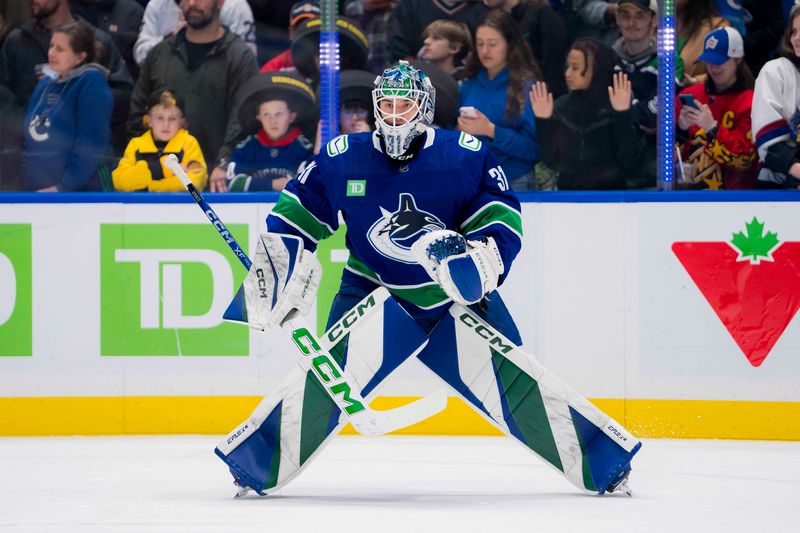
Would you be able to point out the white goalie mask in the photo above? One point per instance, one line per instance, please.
(404, 100)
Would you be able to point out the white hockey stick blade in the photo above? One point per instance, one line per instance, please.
(374, 423)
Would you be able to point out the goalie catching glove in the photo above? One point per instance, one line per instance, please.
(284, 278)
(466, 270)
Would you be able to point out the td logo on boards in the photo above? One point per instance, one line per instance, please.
(164, 288)
(16, 309)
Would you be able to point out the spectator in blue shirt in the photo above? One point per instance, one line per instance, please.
(67, 124)
(500, 72)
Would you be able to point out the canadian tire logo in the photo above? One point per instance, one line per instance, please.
(752, 283)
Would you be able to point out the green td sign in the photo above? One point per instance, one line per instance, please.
(164, 289)
(16, 310)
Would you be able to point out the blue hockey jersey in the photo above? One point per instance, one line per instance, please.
(263, 159)
(452, 183)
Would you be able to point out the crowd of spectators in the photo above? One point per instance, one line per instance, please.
(95, 93)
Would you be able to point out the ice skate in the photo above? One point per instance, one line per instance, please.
(620, 483)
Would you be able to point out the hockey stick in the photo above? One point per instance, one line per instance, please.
(336, 381)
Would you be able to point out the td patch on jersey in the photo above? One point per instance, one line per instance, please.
(393, 234)
(356, 187)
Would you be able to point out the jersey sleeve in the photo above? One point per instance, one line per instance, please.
(494, 212)
(304, 208)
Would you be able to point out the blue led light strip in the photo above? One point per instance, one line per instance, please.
(667, 49)
(328, 71)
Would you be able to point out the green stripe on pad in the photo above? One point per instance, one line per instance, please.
(318, 408)
(292, 210)
(588, 482)
(526, 408)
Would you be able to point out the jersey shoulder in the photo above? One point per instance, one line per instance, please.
(457, 140)
(350, 145)
(457, 148)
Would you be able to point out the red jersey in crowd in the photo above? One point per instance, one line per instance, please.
(725, 158)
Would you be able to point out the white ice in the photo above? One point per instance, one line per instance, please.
(409, 484)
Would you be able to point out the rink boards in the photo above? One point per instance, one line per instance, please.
(110, 311)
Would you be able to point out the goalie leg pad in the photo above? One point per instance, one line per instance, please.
(295, 422)
(517, 395)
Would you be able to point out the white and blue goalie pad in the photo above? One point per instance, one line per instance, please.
(516, 394)
(298, 418)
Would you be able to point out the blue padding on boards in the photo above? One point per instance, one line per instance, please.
(606, 458)
(441, 357)
(401, 337)
(255, 461)
(237, 311)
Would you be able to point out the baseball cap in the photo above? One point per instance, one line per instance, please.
(302, 11)
(721, 45)
(644, 5)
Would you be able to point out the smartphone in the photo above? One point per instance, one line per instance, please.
(468, 111)
(688, 99)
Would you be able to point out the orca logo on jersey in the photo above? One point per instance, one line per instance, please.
(393, 234)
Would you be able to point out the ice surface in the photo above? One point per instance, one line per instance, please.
(409, 484)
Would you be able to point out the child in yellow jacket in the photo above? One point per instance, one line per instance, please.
(142, 167)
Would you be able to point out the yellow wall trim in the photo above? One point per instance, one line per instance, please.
(169, 415)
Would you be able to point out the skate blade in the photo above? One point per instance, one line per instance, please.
(241, 491)
(623, 488)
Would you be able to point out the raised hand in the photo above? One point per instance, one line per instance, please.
(619, 94)
(541, 100)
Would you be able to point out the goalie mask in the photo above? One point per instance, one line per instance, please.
(403, 100)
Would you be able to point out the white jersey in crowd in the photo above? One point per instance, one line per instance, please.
(776, 110)
(161, 17)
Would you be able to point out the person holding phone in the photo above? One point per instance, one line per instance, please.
(500, 71)
(713, 135)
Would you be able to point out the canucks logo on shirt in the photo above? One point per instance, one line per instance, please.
(393, 234)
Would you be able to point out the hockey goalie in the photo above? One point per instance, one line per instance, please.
(432, 231)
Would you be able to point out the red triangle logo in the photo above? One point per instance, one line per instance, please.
(755, 302)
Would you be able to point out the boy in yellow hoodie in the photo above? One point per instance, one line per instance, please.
(142, 167)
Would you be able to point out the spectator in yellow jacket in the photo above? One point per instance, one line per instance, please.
(142, 167)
